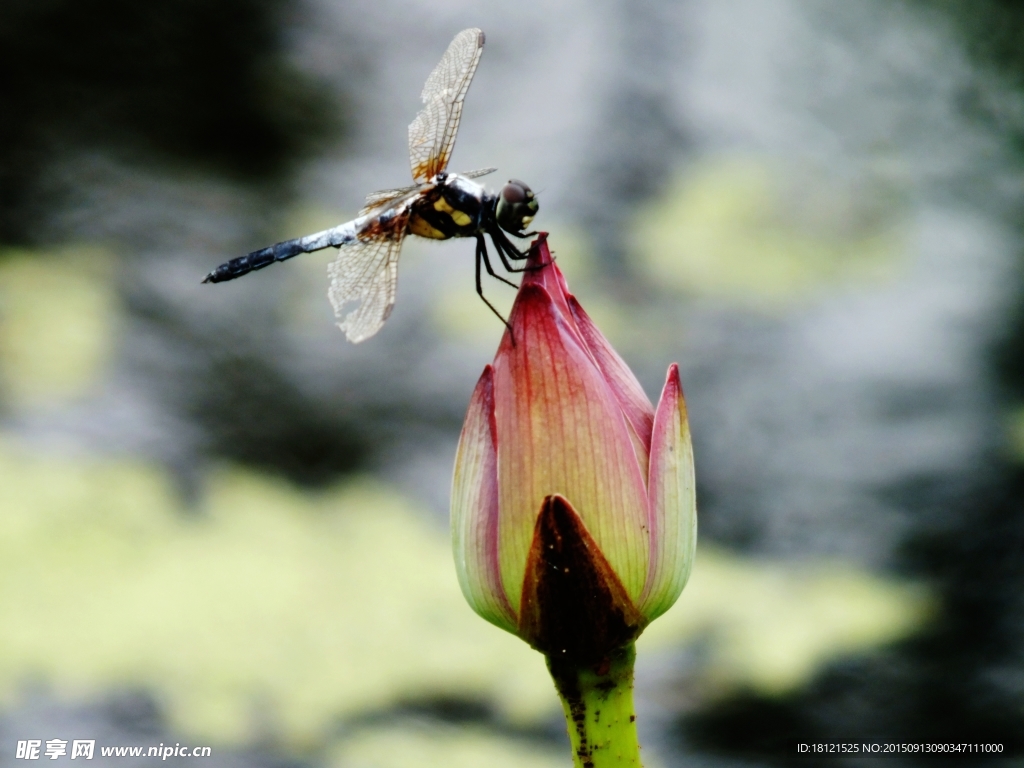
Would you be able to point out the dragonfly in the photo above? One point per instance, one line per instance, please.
(439, 205)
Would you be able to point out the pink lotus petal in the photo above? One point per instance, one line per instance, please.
(630, 395)
(632, 400)
(561, 430)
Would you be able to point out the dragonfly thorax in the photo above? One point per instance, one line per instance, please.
(458, 207)
(454, 207)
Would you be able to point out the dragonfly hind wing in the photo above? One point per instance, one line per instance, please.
(375, 201)
(365, 271)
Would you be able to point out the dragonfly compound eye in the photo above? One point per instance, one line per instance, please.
(517, 205)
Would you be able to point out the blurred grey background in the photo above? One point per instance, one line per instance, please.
(222, 524)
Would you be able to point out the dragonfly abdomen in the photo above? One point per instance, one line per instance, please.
(264, 257)
(243, 265)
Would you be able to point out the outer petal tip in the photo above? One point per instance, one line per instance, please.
(673, 507)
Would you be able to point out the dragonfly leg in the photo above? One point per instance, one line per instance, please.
(505, 248)
(506, 251)
(482, 244)
(501, 240)
(481, 258)
(520, 255)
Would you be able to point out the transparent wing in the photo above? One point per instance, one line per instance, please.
(367, 272)
(478, 173)
(432, 133)
(384, 197)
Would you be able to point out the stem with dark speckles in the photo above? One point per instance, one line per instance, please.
(598, 705)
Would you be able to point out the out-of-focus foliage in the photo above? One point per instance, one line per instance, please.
(770, 626)
(757, 231)
(317, 606)
(430, 745)
(186, 82)
(57, 323)
(993, 31)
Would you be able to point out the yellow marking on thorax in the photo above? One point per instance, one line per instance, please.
(418, 226)
(461, 219)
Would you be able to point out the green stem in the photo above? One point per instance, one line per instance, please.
(598, 705)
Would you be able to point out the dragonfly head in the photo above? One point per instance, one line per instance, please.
(517, 205)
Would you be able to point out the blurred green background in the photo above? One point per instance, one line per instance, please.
(222, 524)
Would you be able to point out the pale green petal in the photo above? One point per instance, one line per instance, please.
(474, 515)
(673, 510)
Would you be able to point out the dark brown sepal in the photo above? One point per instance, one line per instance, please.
(574, 608)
